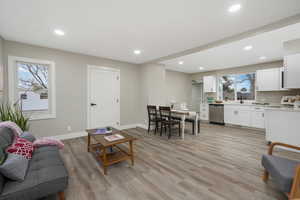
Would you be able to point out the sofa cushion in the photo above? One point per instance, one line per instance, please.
(28, 136)
(46, 175)
(6, 137)
(2, 179)
(2, 156)
(281, 169)
(14, 167)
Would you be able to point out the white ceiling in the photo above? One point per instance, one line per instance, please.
(269, 44)
(114, 28)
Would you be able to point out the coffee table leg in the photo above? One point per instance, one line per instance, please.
(104, 161)
(89, 143)
(131, 152)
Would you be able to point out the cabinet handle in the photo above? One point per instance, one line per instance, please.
(263, 114)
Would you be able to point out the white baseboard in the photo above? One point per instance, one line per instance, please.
(142, 126)
(129, 126)
(70, 135)
(83, 133)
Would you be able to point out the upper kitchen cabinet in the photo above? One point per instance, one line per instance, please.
(292, 71)
(209, 84)
(268, 79)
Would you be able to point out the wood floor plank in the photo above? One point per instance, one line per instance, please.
(221, 163)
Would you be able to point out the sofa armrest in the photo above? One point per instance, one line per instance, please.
(295, 191)
(28, 136)
(271, 148)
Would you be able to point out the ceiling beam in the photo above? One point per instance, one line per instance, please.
(270, 27)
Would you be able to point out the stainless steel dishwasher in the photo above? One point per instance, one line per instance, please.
(216, 113)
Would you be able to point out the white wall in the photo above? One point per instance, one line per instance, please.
(158, 86)
(152, 88)
(71, 87)
(178, 87)
(140, 85)
(1, 67)
(291, 47)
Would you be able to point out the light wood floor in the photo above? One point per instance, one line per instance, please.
(220, 163)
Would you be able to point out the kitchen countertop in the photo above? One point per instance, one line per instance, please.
(286, 109)
(271, 107)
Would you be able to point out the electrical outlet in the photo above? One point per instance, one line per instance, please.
(69, 128)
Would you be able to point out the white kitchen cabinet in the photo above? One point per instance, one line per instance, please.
(231, 114)
(244, 115)
(258, 119)
(268, 79)
(282, 125)
(292, 71)
(209, 84)
(204, 111)
(244, 118)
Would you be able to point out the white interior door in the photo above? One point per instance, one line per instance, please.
(103, 97)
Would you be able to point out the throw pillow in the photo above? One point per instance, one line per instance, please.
(14, 167)
(2, 156)
(28, 136)
(21, 147)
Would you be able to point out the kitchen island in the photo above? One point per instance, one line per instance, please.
(283, 125)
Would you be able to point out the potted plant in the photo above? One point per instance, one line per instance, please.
(14, 114)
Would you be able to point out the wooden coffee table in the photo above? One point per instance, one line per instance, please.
(116, 154)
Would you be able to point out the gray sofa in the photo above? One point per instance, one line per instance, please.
(46, 174)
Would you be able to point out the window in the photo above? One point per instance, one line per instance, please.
(237, 87)
(31, 85)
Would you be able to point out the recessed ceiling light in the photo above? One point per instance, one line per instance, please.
(180, 62)
(59, 32)
(137, 52)
(234, 8)
(262, 57)
(247, 48)
(201, 68)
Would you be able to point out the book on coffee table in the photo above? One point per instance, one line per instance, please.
(114, 137)
(103, 131)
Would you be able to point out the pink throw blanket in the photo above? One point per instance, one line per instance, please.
(17, 131)
(13, 126)
(48, 142)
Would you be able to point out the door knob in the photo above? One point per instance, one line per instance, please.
(93, 104)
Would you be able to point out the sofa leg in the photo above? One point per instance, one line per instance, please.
(61, 196)
(265, 176)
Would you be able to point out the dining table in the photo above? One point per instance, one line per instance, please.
(183, 114)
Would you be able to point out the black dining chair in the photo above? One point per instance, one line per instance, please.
(153, 118)
(167, 121)
(190, 120)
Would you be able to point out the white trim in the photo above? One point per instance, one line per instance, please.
(103, 68)
(52, 89)
(84, 134)
(69, 135)
(129, 126)
(142, 126)
(89, 68)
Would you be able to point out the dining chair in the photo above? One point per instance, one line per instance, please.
(153, 117)
(190, 120)
(167, 121)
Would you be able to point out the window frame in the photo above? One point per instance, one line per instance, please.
(235, 87)
(13, 83)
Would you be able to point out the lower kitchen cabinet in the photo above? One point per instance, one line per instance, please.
(204, 112)
(244, 115)
(258, 119)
